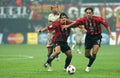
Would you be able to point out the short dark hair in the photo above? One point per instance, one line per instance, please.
(89, 8)
(63, 14)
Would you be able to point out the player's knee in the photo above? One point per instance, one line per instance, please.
(57, 53)
(69, 54)
(69, 57)
(87, 56)
(94, 55)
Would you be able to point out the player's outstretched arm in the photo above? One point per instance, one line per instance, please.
(110, 34)
(42, 30)
(83, 28)
(70, 25)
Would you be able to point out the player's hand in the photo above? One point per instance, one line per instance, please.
(84, 30)
(65, 26)
(38, 31)
(111, 36)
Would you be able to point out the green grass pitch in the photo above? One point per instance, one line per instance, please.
(26, 61)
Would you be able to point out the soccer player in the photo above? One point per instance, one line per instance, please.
(59, 40)
(52, 17)
(77, 32)
(93, 35)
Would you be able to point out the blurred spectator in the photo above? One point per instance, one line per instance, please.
(57, 2)
(118, 21)
(36, 16)
(34, 2)
(40, 1)
(111, 20)
(7, 2)
(19, 2)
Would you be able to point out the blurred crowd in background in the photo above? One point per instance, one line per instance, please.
(36, 2)
(24, 16)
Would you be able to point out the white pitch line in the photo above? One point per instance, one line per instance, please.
(14, 57)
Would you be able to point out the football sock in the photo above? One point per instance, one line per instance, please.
(91, 60)
(50, 59)
(48, 55)
(89, 56)
(67, 61)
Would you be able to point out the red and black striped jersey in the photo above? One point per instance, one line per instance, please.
(93, 25)
(60, 34)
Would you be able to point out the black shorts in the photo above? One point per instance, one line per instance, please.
(64, 46)
(91, 40)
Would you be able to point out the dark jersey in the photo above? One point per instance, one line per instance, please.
(93, 26)
(60, 34)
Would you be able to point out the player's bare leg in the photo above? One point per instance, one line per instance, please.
(68, 58)
(79, 46)
(73, 46)
(88, 55)
(52, 56)
(50, 50)
(91, 57)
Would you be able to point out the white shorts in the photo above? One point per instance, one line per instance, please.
(49, 43)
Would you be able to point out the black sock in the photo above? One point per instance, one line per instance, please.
(67, 61)
(48, 55)
(50, 59)
(91, 60)
(89, 56)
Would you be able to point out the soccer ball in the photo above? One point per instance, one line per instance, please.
(70, 69)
